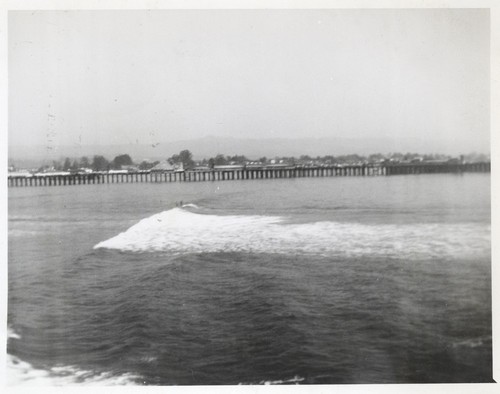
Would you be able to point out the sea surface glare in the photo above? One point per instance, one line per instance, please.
(310, 280)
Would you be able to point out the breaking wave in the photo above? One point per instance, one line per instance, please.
(21, 373)
(474, 342)
(180, 231)
(11, 334)
(295, 380)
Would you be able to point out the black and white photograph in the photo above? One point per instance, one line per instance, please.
(217, 196)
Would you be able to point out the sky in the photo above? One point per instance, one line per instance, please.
(146, 77)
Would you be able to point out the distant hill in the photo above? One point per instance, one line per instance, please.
(210, 146)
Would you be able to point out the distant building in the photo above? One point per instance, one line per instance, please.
(130, 167)
(117, 172)
(85, 170)
(201, 168)
(228, 167)
(178, 167)
(165, 166)
(277, 165)
(24, 173)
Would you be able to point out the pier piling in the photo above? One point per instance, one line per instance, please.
(246, 174)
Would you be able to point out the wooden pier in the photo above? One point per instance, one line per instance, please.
(244, 174)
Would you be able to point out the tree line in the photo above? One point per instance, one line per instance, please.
(100, 163)
(97, 163)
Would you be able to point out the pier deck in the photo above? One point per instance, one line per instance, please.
(245, 174)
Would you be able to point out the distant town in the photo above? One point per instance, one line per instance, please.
(184, 161)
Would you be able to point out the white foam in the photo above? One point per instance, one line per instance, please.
(296, 379)
(21, 373)
(473, 342)
(180, 231)
(21, 233)
(12, 334)
(191, 206)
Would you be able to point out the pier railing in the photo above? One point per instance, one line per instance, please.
(244, 174)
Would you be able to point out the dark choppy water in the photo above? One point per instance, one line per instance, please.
(343, 280)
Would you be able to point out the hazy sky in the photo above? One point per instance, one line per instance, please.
(107, 77)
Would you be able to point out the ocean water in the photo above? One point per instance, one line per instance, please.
(291, 281)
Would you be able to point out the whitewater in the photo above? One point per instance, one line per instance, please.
(181, 231)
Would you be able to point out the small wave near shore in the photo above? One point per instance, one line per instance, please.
(22, 373)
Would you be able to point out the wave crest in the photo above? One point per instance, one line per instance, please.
(181, 231)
